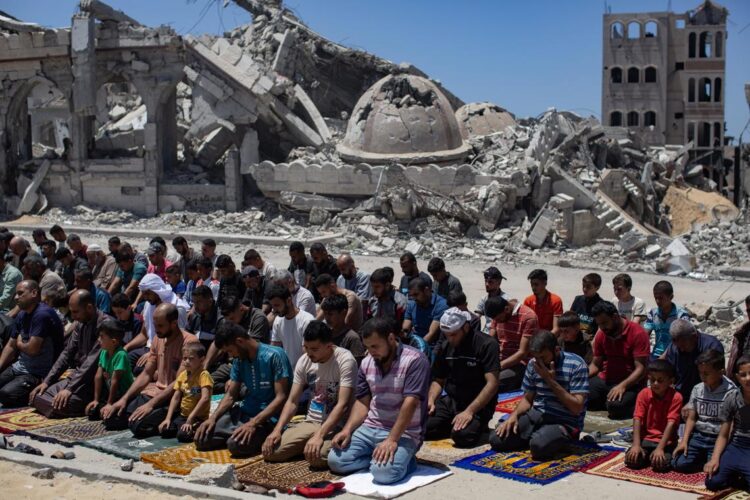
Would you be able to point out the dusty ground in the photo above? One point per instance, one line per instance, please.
(463, 484)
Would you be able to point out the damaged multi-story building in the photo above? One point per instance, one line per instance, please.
(664, 76)
(113, 114)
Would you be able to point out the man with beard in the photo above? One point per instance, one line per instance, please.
(323, 264)
(9, 278)
(103, 267)
(387, 423)
(301, 296)
(618, 370)
(34, 344)
(128, 275)
(266, 373)
(330, 373)
(154, 291)
(326, 286)
(550, 415)
(386, 301)
(466, 367)
(289, 326)
(249, 318)
(513, 325)
(84, 280)
(55, 398)
(352, 278)
(335, 310)
(300, 266)
(443, 282)
(409, 267)
(144, 406)
(51, 285)
(186, 254)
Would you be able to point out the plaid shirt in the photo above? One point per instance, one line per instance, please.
(409, 376)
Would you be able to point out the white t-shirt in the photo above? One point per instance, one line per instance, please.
(304, 300)
(630, 309)
(268, 269)
(324, 381)
(290, 332)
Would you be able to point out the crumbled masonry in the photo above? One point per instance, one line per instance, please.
(274, 129)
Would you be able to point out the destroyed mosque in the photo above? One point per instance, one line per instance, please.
(113, 114)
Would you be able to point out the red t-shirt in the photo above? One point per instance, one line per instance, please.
(619, 354)
(523, 323)
(655, 413)
(546, 309)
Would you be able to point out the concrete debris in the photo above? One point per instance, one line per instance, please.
(127, 466)
(272, 129)
(221, 475)
(45, 473)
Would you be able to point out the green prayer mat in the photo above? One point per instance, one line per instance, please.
(125, 445)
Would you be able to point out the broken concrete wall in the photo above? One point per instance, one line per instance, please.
(690, 208)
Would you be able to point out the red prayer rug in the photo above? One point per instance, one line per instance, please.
(615, 468)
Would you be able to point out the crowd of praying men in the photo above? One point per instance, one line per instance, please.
(144, 340)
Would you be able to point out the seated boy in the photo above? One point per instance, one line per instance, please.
(702, 424)
(192, 391)
(173, 277)
(571, 337)
(113, 374)
(655, 421)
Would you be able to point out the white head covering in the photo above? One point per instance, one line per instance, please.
(453, 319)
(153, 283)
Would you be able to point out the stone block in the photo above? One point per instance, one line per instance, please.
(632, 241)
(562, 201)
(140, 66)
(306, 202)
(543, 226)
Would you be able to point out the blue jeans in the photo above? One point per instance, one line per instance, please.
(358, 456)
(734, 466)
(699, 451)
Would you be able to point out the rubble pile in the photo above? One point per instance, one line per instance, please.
(721, 319)
(274, 130)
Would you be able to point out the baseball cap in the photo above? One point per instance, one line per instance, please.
(493, 273)
(453, 319)
(154, 248)
(250, 272)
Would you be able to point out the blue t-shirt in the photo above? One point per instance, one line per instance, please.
(655, 323)
(137, 273)
(270, 365)
(572, 373)
(45, 323)
(422, 317)
(180, 288)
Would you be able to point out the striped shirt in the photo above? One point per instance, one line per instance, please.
(707, 404)
(409, 376)
(572, 374)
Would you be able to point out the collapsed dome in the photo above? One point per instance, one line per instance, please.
(483, 118)
(404, 119)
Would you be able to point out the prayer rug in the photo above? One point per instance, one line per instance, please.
(26, 419)
(615, 468)
(727, 494)
(445, 452)
(362, 483)
(507, 401)
(70, 433)
(183, 459)
(519, 466)
(123, 444)
(282, 476)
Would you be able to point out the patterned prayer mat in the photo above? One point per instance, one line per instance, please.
(281, 476)
(507, 401)
(124, 445)
(26, 419)
(615, 468)
(727, 494)
(445, 452)
(183, 459)
(519, 466)
(70, 433)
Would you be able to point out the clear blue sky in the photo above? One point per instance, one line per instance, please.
(523, 55)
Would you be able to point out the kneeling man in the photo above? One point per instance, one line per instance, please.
(551, 413)
(386, 426)
(330, 373)
(265, 372)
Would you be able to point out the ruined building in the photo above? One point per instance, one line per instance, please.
(664, 74)
(111, 114)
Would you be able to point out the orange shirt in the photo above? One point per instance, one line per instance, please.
(546, 309)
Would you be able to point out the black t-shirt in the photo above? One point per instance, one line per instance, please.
(256, 324)
(256, 297)
(232, 287)
(300, 272)
(405, 280)
(203, 326)
(582, 307)
(448, 285)
(463, 368)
